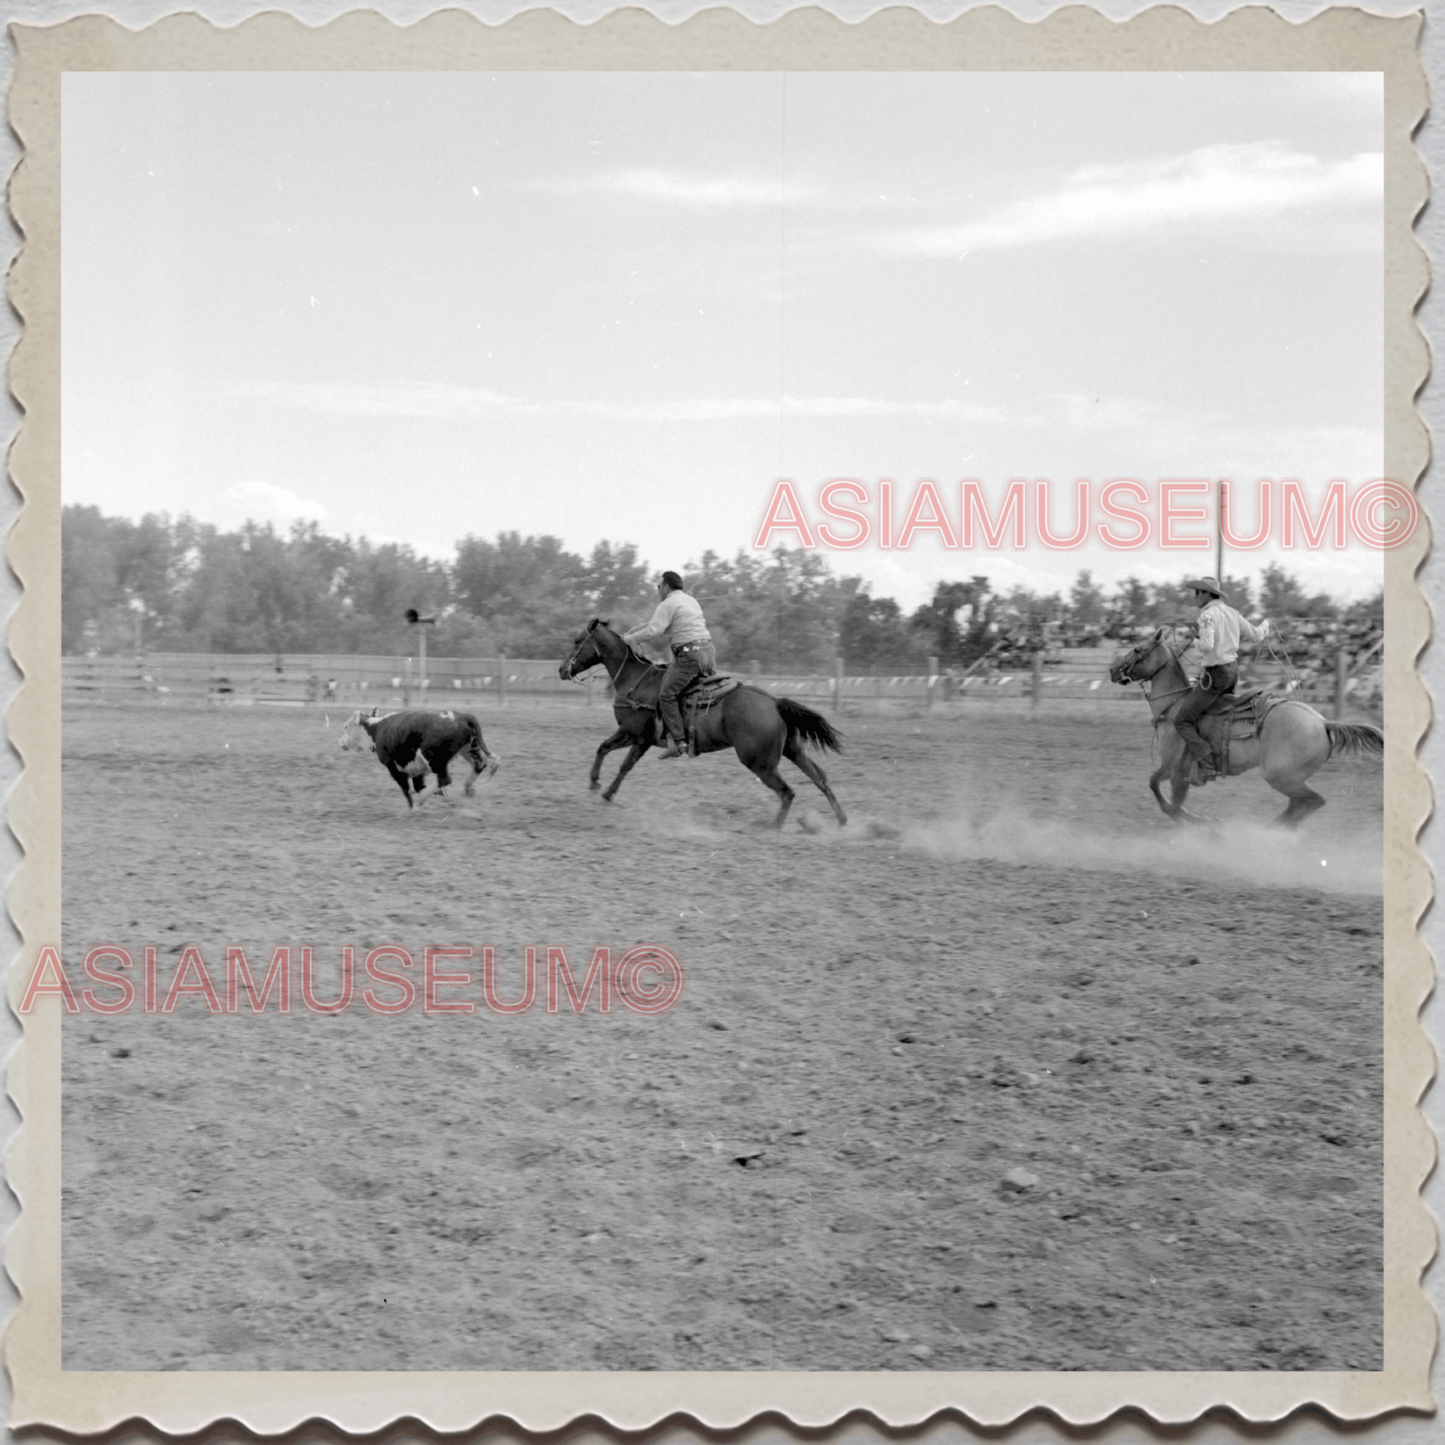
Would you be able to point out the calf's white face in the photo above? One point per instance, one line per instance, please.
(354, 738)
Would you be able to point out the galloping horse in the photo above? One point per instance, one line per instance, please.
(759, 727)
(1293, 742)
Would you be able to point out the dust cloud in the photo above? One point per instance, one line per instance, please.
(1239, 850)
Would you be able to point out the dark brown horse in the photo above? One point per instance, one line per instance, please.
(760, 728)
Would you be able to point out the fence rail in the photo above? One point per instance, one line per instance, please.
(349, 681)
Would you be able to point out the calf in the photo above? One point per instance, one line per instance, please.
(413, 743)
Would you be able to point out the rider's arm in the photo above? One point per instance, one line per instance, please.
(657, 626)
(1252, 632)
(1204, 635)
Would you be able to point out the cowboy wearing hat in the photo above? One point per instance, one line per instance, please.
(1220, 629)
(678, 621)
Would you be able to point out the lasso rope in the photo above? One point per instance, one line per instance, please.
(1281, 655)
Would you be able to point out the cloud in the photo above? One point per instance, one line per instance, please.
(265, 501)
(737, 190)
(447, 402)
(1212, 184)
(1214, 443)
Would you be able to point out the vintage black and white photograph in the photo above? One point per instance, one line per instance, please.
(723, 721)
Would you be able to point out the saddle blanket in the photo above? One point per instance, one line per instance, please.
(705, 691)
(1236, 718)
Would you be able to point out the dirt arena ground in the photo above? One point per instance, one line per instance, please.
(1009, 1074)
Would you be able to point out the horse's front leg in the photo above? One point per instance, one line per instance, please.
(1178, 790)
(1176, 765)
(619, 739)
(1155, 778)
(638, 748)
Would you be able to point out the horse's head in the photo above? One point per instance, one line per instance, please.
(586, 651)
(1146, 658)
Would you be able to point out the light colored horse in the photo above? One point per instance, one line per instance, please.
(1293, 743)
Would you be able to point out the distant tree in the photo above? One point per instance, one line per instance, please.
(614, 580)
(531, 594)
(939, 631)
(782, 612)
(258, 590)
(1282, 595)
(1086, 602)
(90, 591)
(873, 630)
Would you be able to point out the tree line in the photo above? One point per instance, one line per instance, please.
(177, 585)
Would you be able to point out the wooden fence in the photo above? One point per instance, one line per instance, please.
(348, 681)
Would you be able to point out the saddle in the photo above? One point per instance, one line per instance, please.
(696, 698)
(1235, 718)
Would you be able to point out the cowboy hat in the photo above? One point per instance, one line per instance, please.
(1204, 584)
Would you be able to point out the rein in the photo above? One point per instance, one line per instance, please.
(625, 698)
(1154, 698)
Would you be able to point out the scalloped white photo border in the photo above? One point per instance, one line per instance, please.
(988, 39)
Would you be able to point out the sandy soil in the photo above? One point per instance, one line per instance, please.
(1009, 961)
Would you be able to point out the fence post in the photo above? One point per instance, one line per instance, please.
(501, 679)
(837, 684)
(1038, 678)
(1342, 681)
(932, 679)
(406, 685)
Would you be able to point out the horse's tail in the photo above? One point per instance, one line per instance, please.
(811, 726)
(1360, 739)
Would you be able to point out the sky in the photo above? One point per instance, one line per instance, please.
(416, 307)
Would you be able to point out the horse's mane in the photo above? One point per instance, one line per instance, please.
(606, 622)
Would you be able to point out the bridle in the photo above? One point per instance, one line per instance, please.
(569, 668)
(1128, 675)
(569, 673)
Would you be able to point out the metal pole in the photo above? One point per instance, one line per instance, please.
(1219, 539)
(837, 684)
(422, 630)
(1038, 678)
(501, 679)
(932, 678)
(1342, 681)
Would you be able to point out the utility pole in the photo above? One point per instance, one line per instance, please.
(1219, 538)
(415, 619)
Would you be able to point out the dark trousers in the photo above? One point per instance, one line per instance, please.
(1214, 682)
(680, 671)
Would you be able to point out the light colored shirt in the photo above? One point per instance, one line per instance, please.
(677, 621)
(1220, 629)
